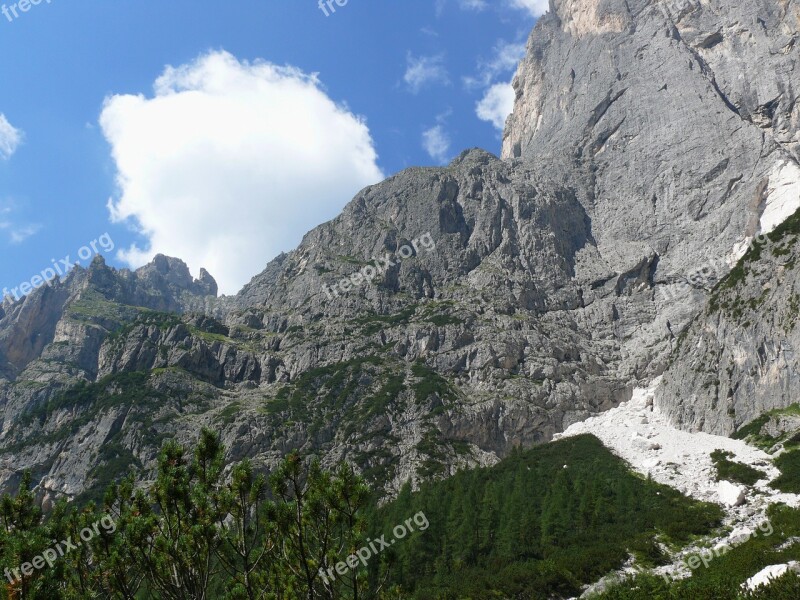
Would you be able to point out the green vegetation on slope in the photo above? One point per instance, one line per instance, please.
(429, 383)
(734, 471)
(789, 479)
(332, 388)
(332, 385)
(540, 523)
(192, 534)
(93, 307)
(145, 317)
(374, 323)
(130, 396)
(726, 293)
(437, 313)
(753, 434)
(112, 390)
(725, 573)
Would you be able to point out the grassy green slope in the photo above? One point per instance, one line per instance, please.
(722, 578)
(542, 522)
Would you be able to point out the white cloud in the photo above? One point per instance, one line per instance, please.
(476, 5)
(535, 7)
(10, 138)
(436, 143)
(14, 231)
(496, 104)
(505, 58)
(424, 70)
(473, 5)
(498, 97)
(231, 162)
(18, 235)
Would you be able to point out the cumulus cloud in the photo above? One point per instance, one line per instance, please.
(498, 94)
(10, 138)
(535, 7)
(436, 142)
(497, 103)
(230, 162)
(422, 71)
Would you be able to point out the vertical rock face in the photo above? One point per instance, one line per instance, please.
(678, 124)
(30, 325)
(581, 18)
(668, 116)
(450, 314)
(739, 359)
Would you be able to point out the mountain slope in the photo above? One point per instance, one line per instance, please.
(738, 360)
(514, 297)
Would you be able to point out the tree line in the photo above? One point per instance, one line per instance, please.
(196, 533)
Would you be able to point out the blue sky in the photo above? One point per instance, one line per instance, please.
(271, 117)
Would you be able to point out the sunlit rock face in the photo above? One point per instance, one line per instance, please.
(508, 298)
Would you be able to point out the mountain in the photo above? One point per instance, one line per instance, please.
(491, 303)
(737, 360)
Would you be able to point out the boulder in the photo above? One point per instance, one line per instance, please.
(730, 494)
(767, 574)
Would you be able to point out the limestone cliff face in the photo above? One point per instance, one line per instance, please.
(669, 117)
(31, 325)
(507, 298)
(739, 359)
(631, 92)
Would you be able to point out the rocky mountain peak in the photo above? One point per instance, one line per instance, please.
(450, 314)
(207, 284)
(580, 18)
(618, 113)
(171, 271)
(174, 273)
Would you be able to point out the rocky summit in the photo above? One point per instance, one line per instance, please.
(635, 226)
